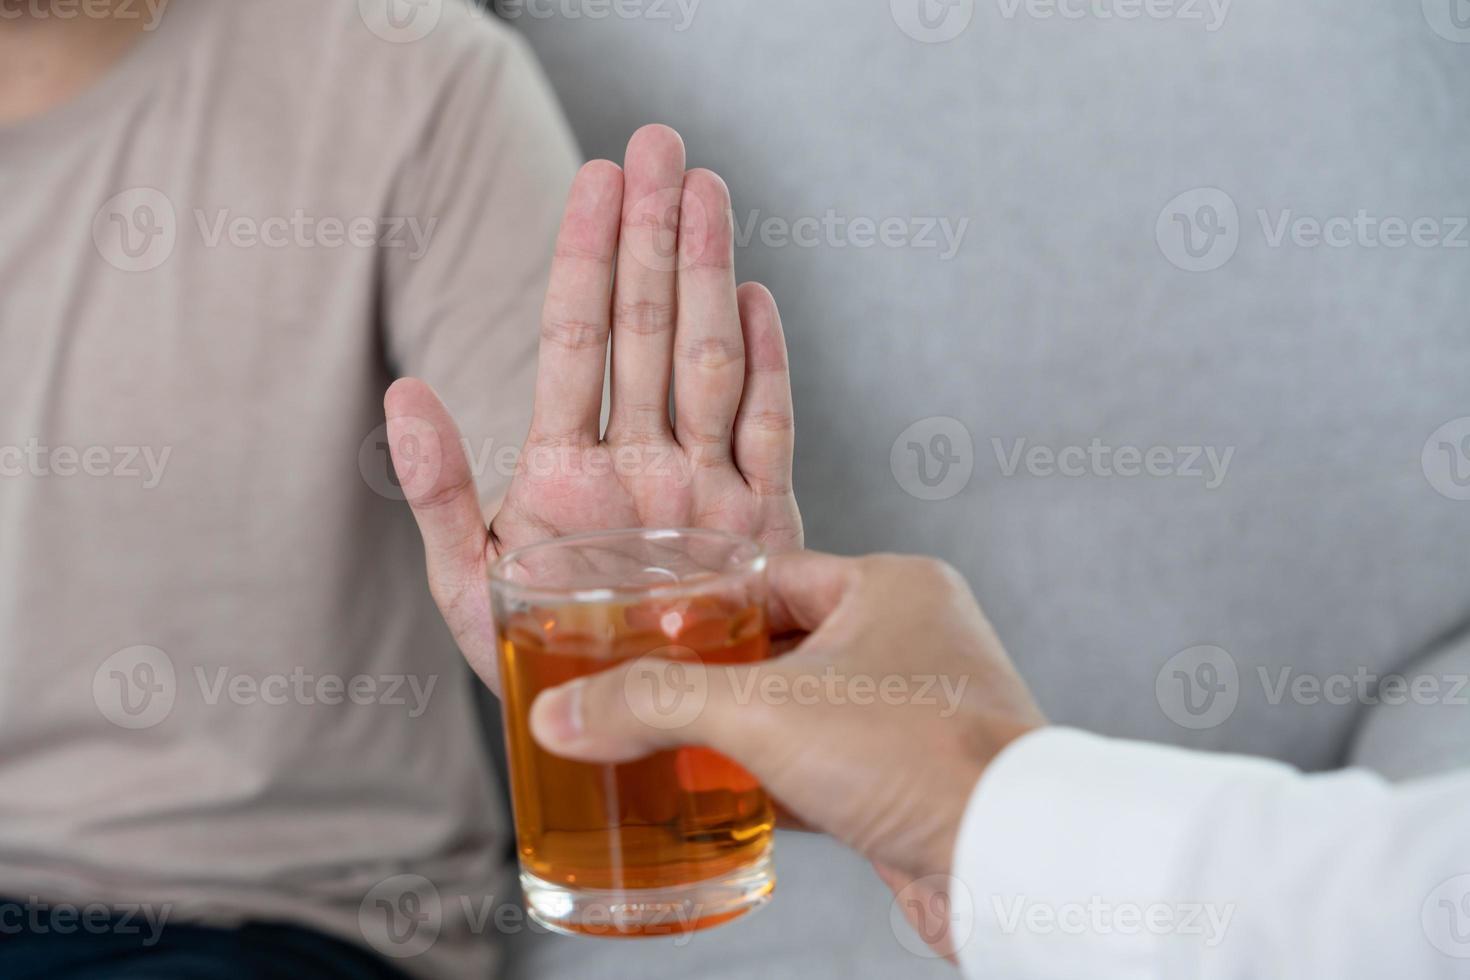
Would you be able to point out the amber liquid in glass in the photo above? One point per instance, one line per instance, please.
(671, 819)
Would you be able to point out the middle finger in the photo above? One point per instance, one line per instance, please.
(644, 298)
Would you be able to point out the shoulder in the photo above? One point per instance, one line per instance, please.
(361, 83)
(369, 51)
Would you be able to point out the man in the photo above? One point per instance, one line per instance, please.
(1036, 852)
(1142, 860)
(230, 718)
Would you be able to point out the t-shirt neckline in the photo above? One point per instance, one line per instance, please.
(144, 60)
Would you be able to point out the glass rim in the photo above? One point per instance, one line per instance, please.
(752, 562)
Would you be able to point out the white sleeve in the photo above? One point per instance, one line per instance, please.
(1089, 857)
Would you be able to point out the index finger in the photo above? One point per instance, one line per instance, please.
(576, 318)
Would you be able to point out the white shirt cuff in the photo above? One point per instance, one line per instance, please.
(1072, 849)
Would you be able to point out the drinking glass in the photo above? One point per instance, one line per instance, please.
(672, 843)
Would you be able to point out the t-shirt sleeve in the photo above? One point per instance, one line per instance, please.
(462, 296)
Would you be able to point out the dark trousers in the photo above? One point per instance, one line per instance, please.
(65, 945)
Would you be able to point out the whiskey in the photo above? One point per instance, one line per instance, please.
(672, 819)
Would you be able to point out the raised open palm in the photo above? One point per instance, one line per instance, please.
(646, 256)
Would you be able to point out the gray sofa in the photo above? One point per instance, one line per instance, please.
(1129, 264)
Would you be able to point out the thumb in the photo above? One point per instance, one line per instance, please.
(652, 704)
(806, 588)
(434, 472)
(429, 458)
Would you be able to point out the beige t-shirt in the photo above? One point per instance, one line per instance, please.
(224, 690)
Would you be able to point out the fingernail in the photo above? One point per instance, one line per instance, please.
(556, 717)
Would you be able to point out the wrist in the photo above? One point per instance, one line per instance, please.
(999, 736)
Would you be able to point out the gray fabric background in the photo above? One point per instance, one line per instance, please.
(1327, 550)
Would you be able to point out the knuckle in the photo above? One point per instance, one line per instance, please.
(644, 317)
(638, 422)
(769, 363)
(712, 353)
(784, 533)
(652, 217)
(576, 253)
(882, 563)
(573, 334)
(930, 575)
(942, 578)
(441, 492)
(705, 448)
(774, 422)
(711, 254)
(763, 486)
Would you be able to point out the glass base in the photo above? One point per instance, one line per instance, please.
(649, 911)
